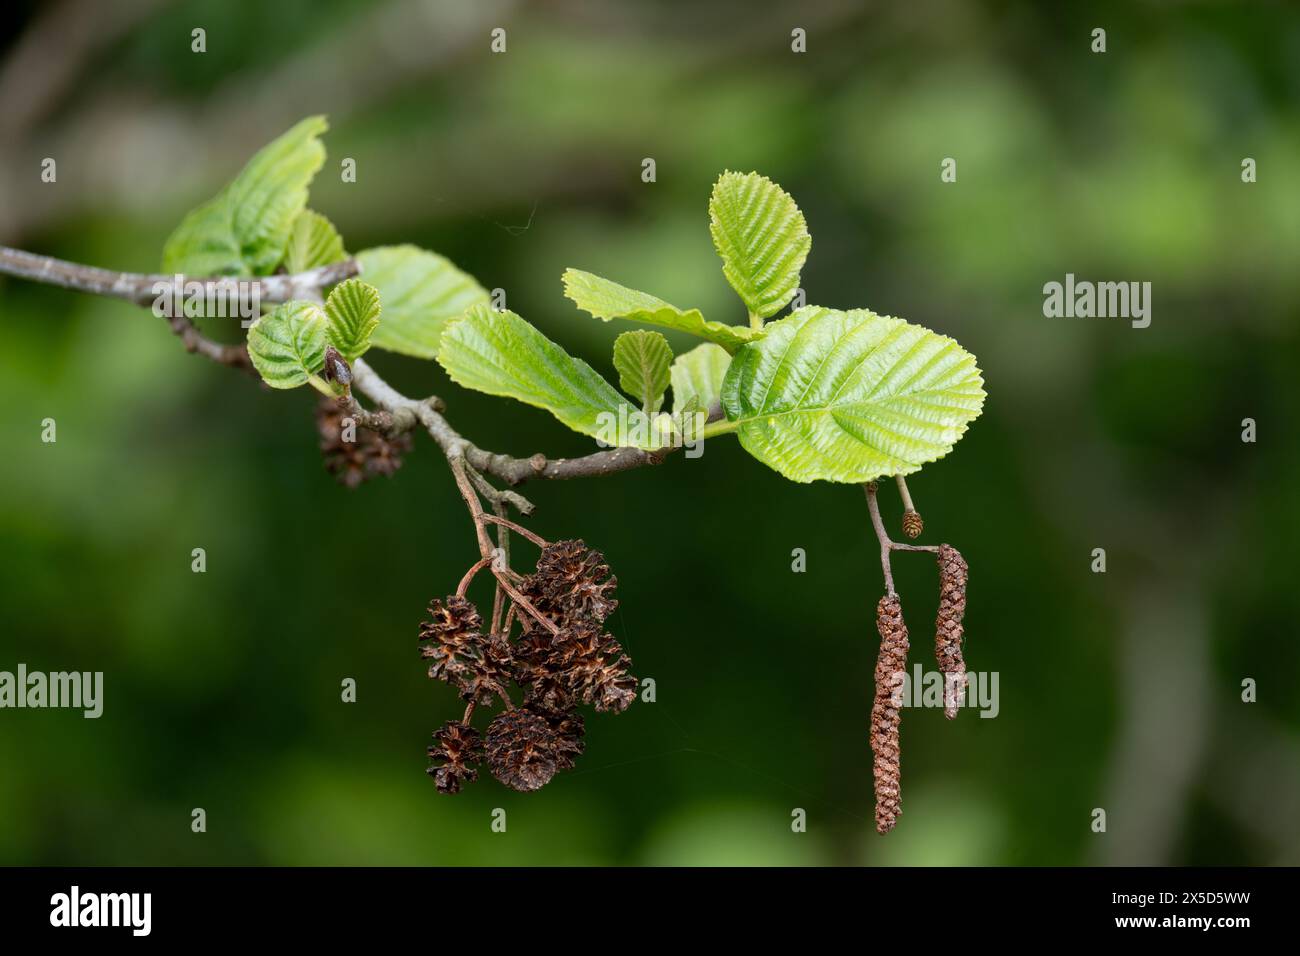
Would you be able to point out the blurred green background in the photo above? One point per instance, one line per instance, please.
(1119, 690)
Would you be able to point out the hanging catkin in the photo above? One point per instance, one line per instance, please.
(891, 666)
(953, 575)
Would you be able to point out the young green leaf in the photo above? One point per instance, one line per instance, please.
(421, 292)
(501, 354)
(850, 396)
(245, 228)
(287, 345)
(688, 418)
(353, 313)
(642, 359)
(762, 238)
(608, 300)
(698, 375)
(313, 242)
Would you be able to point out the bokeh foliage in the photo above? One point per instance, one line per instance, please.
(1119, 690)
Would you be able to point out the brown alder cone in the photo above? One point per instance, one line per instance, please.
(581, 662)
(367, 456)
(569, 730)
(953, 574)
(572, 581)
(891, 664)
(482, 683)
(912, 523)
(533, 670)
(454, 640)
(524, 751)
(459, 747)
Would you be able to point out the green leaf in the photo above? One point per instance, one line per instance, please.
(850, 396)
(501, 354)
(698, 375)
(608, 300)
(313, 241)
(245, 228)
(353, 313)
(287, 345)
(689, 418)
(421, 292)
(762, 238)
(642, 359)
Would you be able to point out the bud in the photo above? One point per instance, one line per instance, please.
(336, 368)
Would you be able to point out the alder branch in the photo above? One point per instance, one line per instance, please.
(397, 413)
(141, 288)
(888, 546)
(511, 470)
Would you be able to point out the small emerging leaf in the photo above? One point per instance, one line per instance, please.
(313, 242)
(287, 345)
(689, 418)
(501, 354)
(850, 396)
(353, 313)
(608, 300)
(421, 293)
(762, 238)
(697, 376)
(244, 229)
(642, 359)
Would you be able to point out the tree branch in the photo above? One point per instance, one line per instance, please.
(141, 288)
(397, 413)
(888, 546)
(513, 471)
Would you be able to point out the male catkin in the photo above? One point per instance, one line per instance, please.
(886, 712)
(953, 575)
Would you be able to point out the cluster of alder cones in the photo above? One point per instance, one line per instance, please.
(562, 658)
(891, 666)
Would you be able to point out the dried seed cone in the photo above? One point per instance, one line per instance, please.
(458, 748)
(481, 683)
(912, 523)
(535, 671)
(611, 687)
(580, 662)
(454, 640)
(593, 666)
(523, 750)
(569, 730)
(891, 664)
(953, 575)
(572, 581)
(353, 462)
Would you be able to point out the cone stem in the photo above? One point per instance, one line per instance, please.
(518, 529)
(475, 568)
(905, 494)
(887, 545)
